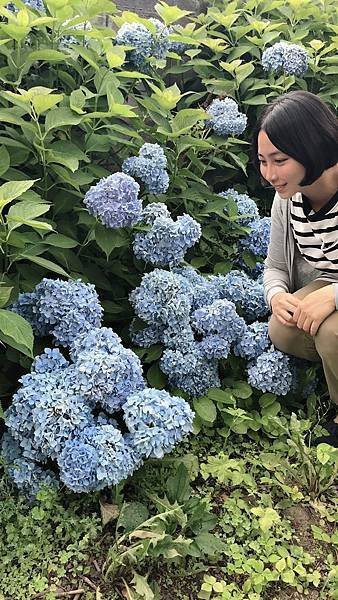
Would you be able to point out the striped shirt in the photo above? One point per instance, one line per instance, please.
(316, 233)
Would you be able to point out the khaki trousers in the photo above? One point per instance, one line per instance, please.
(321, 347)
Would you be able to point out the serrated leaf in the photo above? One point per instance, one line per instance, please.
(59, 117)
(109, 239)
(5, 293)
(14, 189)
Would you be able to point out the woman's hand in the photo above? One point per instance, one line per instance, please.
(314, 309)
(283, 306)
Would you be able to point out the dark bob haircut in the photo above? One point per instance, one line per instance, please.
(301, 125)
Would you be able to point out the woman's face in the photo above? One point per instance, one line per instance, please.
(279, 169)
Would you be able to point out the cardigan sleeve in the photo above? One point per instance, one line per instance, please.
(276, 272)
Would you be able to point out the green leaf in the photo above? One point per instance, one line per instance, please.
(47, 264)
(44, 102)
(13, 189)
(256, 100)
(5, 293)
(5, 160)
(48, 55)
(156, 378)
(16, 331)
(109, 239)
(170, 14)
(186, 119)
(242, 390)
(205, 409)
(60, 241)
(77, 101)
(132, 515)
(222, 396)
(210, 544)
(25, 213)
(59, 117)
(178, 485)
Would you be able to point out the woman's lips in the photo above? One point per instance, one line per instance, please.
(280, 187)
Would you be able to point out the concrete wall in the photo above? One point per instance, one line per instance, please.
(145, 8)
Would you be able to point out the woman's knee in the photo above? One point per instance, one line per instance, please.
(280, 335)
(326, 339)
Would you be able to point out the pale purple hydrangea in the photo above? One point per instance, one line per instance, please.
(225, 117)
(114, 201)
(282, 56)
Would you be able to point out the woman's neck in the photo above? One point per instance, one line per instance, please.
(321, 190)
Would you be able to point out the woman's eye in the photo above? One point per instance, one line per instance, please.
(280, 161)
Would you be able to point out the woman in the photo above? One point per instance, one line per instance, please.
(295, 148)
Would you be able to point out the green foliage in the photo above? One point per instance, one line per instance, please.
(41, 545)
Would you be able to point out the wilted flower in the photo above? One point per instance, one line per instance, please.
(114, 200)
(290, 58)
(225, 117)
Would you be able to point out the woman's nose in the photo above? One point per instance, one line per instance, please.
(270, 174)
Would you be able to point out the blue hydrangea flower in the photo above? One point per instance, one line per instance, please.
(179, 337)
(163, 298)
(56, 416)
(103, 339)
(154, 210)
(219, 318)
(114, 200)
(161, 43)
(225, 117)
(29, 477)
(110, 377)
(190, 370)
(178, 46)
(271, 372)
(205, 289)
(290, 58)
(150, 167)
(50, 361)
(78, 462)
(138, 36)
(253, 342)
(246, 293)
(167, 241)
(157, 421)
(247, 208)
(215, 346)
(257, 241)
(26, 307)
(150, 335)
(68, 308)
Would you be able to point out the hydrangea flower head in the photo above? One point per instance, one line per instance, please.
(49, 362)
(163, 298)
(103, 339)
(138, 36)
(225, 117)
(167, 241)
(253, 342)
(190, 371)
(247, 208)
(110, 377)
(257, 241)
(290, 58)
(68, 308)
(26, 307)
(154, 210)
(157, 421)
(271, 372)
(215, 346)
(149, 166)
(161, 43)
(245, 292)
(219, 318)
(114, 200)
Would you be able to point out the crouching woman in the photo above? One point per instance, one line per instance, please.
(295, 148)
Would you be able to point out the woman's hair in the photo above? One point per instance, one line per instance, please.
(301, 125)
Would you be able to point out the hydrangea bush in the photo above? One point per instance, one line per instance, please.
(93, 130)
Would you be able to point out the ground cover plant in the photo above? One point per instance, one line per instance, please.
(133, 228)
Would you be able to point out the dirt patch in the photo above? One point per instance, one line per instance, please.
(289, 593)
(302, 517)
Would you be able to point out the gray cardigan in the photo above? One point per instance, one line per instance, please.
(285, 269)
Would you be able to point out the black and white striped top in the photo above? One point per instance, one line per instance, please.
(316, 233)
